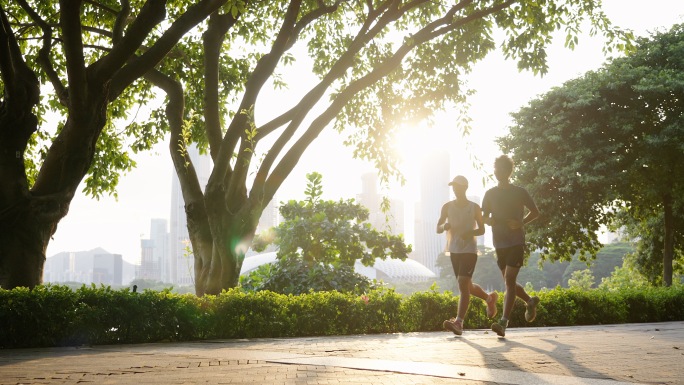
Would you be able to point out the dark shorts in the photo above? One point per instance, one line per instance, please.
(464, 264)
(513, 256)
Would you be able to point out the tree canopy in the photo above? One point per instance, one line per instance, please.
(605, 149)
(378, 64)
(69, 71)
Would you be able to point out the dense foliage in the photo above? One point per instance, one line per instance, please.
(606, 149)
(93, 315)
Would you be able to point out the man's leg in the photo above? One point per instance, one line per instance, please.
(510, 275)
(515, 256)
(466, 268)
(510, 278)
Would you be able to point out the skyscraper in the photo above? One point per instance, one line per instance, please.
(434, 192)
(154, 256)
(372, 200)
(270, 217)
(107, 269)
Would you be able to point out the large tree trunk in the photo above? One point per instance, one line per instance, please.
(668, 242)
(23, 240)
(29, 219)
(232, 235)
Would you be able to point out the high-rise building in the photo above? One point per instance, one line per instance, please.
(107, 269)
(434, 192)
(154, 255)
(180, 266)
(93, 266)
(270, 217)
(370, 198)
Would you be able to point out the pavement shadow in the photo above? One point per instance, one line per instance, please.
(561, 353)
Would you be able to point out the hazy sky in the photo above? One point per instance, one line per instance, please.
(118, 226)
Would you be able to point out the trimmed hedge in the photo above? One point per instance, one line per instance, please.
(57, 316)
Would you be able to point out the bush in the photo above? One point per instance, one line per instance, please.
(58, 316)
(296, 276)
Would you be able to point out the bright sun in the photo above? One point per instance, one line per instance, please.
(470, 155)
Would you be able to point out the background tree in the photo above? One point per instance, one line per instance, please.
(648, 233)
(91, 54)
(320, 241)
(378, 64)
(606, 143)
(624, 277)
(581, 279)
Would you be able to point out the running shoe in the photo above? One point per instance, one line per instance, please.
(500, 328)
(531, 311)
(453, 325)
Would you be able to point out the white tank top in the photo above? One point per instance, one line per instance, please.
(461, 219)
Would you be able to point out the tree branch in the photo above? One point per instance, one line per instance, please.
(219, 25)
(435, 29)
(70, 23)
(191, 189)
(152, 13)
(263, 70)
(120, 23)
(139, 66)
(338, 68)
(98, 4)
(44, 54)
(297, 114)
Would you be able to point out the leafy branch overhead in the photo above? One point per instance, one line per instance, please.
(378, 64)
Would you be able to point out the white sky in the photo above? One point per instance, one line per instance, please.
(118, 226)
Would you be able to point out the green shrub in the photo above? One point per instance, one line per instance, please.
(293, 275)
(39, 317)
(58, 316)
(427, 310)
(555, 309)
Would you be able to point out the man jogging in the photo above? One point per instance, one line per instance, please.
(503, 209)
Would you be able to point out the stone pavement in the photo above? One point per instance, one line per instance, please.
(586, 355)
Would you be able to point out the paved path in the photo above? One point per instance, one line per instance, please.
(590, 355)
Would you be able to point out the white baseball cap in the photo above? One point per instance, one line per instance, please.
(459, 180)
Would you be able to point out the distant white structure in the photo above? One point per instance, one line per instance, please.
(434, 192)
(270, 217)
